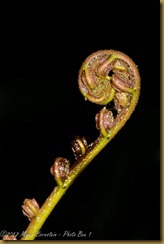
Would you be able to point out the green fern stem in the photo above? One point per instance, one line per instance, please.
(122, 87)
(48, 206)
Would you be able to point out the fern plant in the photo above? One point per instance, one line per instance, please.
(108, 78)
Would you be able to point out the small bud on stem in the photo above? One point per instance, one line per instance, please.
(30, 208)
(60, 170)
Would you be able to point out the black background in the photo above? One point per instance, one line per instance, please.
(43, 45)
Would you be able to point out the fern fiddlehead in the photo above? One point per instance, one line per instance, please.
(105, 77)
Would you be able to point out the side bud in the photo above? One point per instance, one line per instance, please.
(9, 238)
(30, 208)
(104, 121)
(60, 170)
(122, 100)
(79, 146)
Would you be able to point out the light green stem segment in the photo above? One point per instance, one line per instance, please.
(48, 206)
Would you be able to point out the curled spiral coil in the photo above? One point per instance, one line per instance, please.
(109, 76)
(104, 72)
(60, 170)
(79, 146)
